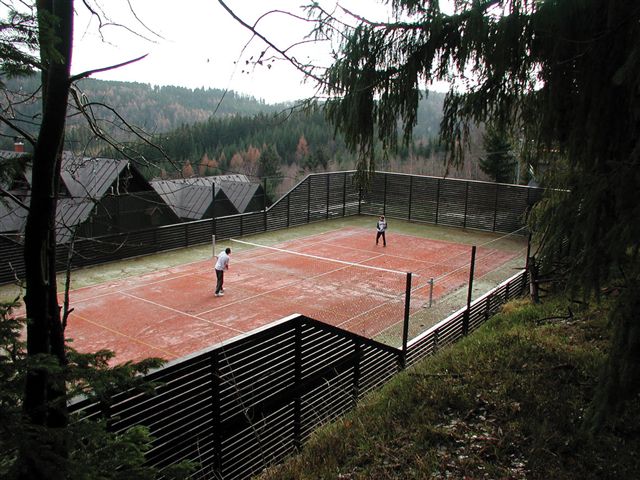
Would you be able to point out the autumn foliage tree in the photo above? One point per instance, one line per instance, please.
(302, 150)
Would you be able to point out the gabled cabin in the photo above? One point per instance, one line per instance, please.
(209, 197)
(97, 196)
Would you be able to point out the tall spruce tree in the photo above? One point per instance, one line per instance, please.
(498, 161)
(565, 74)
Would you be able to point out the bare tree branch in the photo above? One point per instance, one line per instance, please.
(27, 136)
(292, 60)
(14, 198)
(88, 73)
(85, 109)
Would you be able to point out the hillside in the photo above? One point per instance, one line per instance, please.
(208, 131)
(161, 109)
(505, 403)
(152, 108)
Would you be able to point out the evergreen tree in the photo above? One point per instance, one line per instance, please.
(269, 164)
(565, 74)
(498, 161)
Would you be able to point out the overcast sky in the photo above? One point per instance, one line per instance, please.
(201, 45)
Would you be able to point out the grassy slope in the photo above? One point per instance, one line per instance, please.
(505, 403)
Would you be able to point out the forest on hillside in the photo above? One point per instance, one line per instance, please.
(185, 132)
(153, 109)
(283, 146)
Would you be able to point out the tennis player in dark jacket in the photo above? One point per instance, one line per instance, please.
(382, 227)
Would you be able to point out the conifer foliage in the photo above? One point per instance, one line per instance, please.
(562, 74)
(498, 161)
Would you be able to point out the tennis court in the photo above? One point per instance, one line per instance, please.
(338, 276)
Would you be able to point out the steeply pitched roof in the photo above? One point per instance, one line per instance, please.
(70, 213)
(239, 193)
(187, 200)
(85, 180)
(12, 215)
(191, 197)
(89, 176)
(213, 179)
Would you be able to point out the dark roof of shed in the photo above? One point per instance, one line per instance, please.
(10, 154)
(191, 197)
(89, 176)
(239, 193)
(213, 179)
(185, 199)
(12, 215)
(86, 180)
(70, 213)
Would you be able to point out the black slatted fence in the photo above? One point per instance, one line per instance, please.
(248, 403)
(459, 203)
(243, 405)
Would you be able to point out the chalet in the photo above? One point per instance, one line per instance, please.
(97, 196)
(209, 197)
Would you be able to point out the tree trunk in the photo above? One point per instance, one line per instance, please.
(533, 280)
(45, 390)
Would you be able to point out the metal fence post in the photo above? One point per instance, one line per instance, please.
(264, 190)
(357, 345)
(465, 321)
(410, 196)
(487, 310)
(405, 327)
(328, 199)
(216, 422)
(297, 406)
(430, 292)
(344, 195)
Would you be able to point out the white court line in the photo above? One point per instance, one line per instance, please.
(324, 259)
(128, 337)
(180, 312)
(269, 292)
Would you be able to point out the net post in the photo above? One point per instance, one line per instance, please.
(465, 321)
(430, 292)
(405, 326)
(213, 245)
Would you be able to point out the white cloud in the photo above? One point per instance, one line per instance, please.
(201, 45)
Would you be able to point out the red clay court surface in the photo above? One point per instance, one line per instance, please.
(173, 312)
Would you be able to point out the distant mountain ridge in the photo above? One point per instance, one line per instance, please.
(155, 109)
(206, 131)
(160, 109)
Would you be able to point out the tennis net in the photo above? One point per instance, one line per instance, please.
(347, 288)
